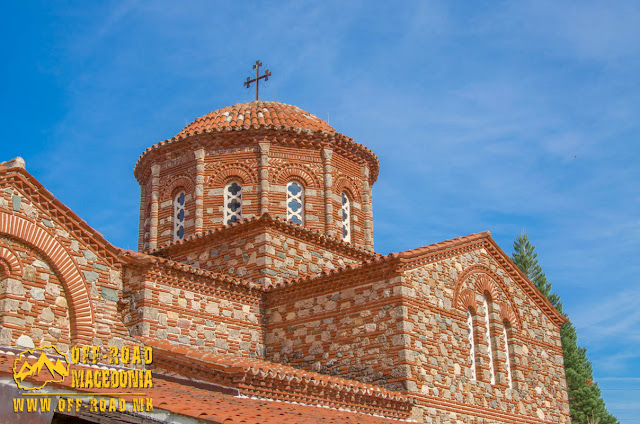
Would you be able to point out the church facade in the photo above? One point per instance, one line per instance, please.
(257, 280)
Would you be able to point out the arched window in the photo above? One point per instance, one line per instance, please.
(232, 202)
(505, 335)
(295, 202)
(178, 216)
(489, 344)
(346, 218)
(472, 345)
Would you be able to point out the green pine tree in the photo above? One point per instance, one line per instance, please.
(585, 399)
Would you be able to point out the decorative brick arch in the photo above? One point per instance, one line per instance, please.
(485, 284)
(81, 313)
(343, 183)
(488, 281)
(172, 183)
(295, 171)
(238, 171)
(507, 314)
(10, 262)
(468, 300)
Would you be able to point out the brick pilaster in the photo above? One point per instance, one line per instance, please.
(199, 190)
(328, 182)
(155, 197)
(367, 209)
(263, 178)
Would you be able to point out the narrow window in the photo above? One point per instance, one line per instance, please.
(489, 347)
(232, 202)
(146, 224)
(507, 353)
(472, 346)
(346, 218)
(178, 216)
(295, 202)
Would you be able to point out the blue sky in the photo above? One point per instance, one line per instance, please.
(492, 116)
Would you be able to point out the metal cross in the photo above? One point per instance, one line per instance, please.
(257, 79)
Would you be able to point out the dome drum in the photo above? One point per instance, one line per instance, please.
(230, 173)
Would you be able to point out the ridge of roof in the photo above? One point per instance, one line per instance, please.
(401, 257)
(55, 208)
(137, 258)
(529, 287)
(436, 247)
(266, 218)
(264, 379)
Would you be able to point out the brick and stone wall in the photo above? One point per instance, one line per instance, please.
(265, 251)
(349, 324)
(217, 314)
(58, 282)
(438, 295)
(33, 308)
(263, 163)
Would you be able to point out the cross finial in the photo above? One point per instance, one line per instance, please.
(258, 77)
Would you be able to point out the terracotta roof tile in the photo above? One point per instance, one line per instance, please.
(265, 379)
(308, 234)
(218, 407)
(257, 114)
(275, 116)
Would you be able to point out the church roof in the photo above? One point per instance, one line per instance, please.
(175, 398)
(304, 129)
(257, 114)
(266, 220)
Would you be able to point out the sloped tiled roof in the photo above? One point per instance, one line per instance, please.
(214, 406)
(271, 115)
(310, 235)
(265, 379)
(278, 119)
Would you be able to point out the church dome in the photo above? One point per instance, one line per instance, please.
(257, 115)
(242, 161)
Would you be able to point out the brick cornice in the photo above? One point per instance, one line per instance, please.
(265, 379)
(230, 137)
(517, 275)
(194, 277)
(438, 251)
(266, 221)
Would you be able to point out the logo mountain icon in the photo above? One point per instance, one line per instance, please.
(44, 368)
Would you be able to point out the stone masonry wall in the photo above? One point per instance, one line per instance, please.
(58, 283)
(189, 309)
(288, 256)
(262, 253)
(34, 308)
(439, 294)
(350, 324)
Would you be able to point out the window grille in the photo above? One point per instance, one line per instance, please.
(232, 202)
(346, 218)
(295, 202)
(178, 216)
